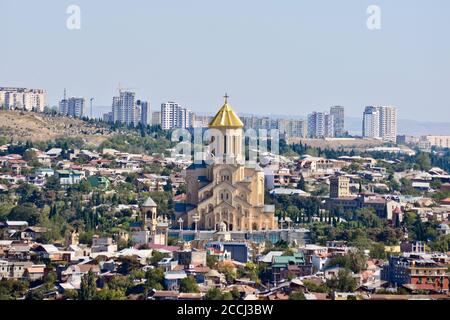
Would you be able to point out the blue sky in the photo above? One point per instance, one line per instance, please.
(272, 57)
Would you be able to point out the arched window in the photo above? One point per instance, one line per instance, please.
(225, 175)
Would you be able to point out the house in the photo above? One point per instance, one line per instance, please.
(172, 279)
(239, 250)
(47, 251)
(99, 182)
(215, 279)
(69, 177)
(74, 273)
(33, 233)
(54, 152)
(443, 229)
(103, 244)
(283, 267)
(36, 272)
(416, 273)
(13, 269)
(46, 172)
(190, 257)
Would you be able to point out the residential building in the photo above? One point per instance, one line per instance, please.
(284, 267)
(68, 177)
(73, 107)
(22, 99)
(145, 112)
(320, 125)
(156, 118)
(338, 113)
(416, 273)
(371, 123)
(124, 109)
(380, 123)
(173, 115)
(436, 141)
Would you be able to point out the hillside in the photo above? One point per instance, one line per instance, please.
(32, 126)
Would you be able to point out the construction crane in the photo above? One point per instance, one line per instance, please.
(125, 89)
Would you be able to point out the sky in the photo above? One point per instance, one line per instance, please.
(286, 57)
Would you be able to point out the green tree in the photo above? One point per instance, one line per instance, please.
(88, 286)
(189, 284)
(344, 282)
(297, 295)
(213, 294)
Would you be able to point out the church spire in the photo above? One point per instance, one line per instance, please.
(226, 117)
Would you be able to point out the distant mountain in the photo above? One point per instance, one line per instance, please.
(405, 126)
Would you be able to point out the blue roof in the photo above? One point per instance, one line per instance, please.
(203, 179)
(201, 165)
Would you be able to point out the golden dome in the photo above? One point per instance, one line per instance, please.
(226, 118)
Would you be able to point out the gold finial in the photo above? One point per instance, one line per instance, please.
(226, 96)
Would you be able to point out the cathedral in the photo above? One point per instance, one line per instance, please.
(226, 191)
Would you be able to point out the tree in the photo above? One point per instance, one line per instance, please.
(344, 282)
(26, 212)
(128, 265)
(297, 295)
(107, 294)
(211, 261)
(154, 279)
(378, 251)
(354, 261)
(213, 294)
(189, 284)
(156, 257)
(88, 286)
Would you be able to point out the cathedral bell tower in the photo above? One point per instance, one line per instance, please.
(149, 215)
(226, 136)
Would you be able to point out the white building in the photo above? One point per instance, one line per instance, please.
(320, 125)
(173, 115)
(22, 99)
(124, 109)
(436, 141)
(380, 123)
(371, 123)
(73, 107)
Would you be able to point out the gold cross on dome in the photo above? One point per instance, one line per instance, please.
(226, 96)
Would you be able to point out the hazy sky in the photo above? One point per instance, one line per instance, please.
(272, 57)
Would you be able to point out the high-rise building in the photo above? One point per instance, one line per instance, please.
(73, 107)
(145, 112)
(388, 123)
(173, 115)
(371, 123)
(338, 114)
(124, 108)
(320, 125)
(22, 99)
(292, 128)
(156, 118)
(380, 123)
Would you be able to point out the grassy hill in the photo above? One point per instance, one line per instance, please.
(23, 126)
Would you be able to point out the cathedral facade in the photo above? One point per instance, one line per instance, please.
(227, 191)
